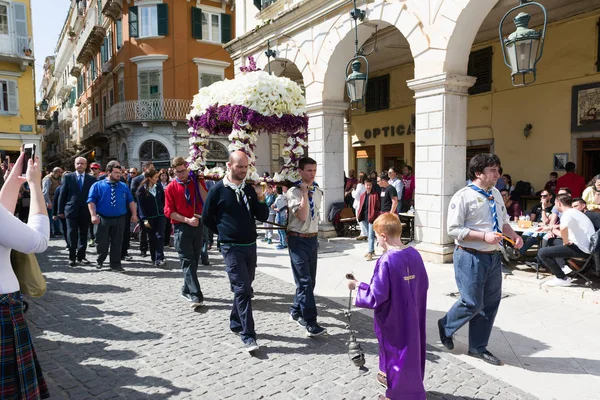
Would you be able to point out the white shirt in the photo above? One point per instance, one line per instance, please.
(27, 238)
(470, 210)
(580, 228)
(360, 189)
(399, 186)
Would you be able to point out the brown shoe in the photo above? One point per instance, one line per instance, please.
(361, 237)
(370, 256)
(382, 379)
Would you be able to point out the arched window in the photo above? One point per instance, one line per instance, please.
(217, 154)
(156, 152)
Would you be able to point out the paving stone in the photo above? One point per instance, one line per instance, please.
(103, 335)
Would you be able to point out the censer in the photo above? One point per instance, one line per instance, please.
(355, 352)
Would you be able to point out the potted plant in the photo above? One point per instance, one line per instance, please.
(27, 51)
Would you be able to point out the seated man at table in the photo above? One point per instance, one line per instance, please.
(581, 205)
(538, 212)
(575, 230)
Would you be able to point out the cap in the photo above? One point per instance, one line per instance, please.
(95, 165)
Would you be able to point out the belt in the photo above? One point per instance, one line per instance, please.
(473, 251)
(302, 235)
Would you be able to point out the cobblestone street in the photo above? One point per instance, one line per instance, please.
(103, 335)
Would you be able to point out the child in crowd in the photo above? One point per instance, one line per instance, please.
(398, 294)
(269, 200)
(280, 207)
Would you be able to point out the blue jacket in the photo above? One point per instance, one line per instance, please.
(73, 201)
(151, 206)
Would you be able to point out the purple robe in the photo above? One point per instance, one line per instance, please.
(398, 294)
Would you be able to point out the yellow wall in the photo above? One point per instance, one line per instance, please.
(569, 59)
(11, 123)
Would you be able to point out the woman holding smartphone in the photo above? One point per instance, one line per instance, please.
(22, 376)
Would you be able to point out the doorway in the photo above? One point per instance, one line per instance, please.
(393, 156)
(365, 159)
(589, 156)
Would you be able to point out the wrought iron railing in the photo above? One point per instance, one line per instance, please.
(148, 110)
(93, 127)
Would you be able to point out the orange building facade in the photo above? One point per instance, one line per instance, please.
(137, 66)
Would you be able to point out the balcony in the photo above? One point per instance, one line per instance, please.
(75, 71)
(92, 36)
(113, 9)
(17, 51)
(65, 117)
(148, 110)
(92, 128)
(52, 131)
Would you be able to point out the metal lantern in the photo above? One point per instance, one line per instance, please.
(44, 105)
(523, 48)
(356, 82)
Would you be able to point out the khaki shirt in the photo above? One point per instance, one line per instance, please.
(469, 211)
(294, 197)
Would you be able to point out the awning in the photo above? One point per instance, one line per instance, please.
(82, 153)
(11, 144)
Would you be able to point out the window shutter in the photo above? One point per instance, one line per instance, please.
(378, 93)
(196, 23)
(72, 97)
(13, 101)
(480, 67)
(258, 4)
(107, 49)
(20, 16)
(144, 86)
(119, 33)
(133, 22)
(162, 11)
(154, 84)
(226, 34)
(102, 52)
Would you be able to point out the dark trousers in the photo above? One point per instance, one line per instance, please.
(63, 223)
(303, 256)
(126, 235)
(551, 255)
(168, 230)
(240, 264)
(93, 232)
(206, 237)
(77, 229)
(155, 238)
(405, 206)
(143, 238)
(479, 280)
(110, 230)
(188, 243)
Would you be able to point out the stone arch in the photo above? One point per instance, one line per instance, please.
(290, 51)
(337, 47)
(460, 33)
(158, 138)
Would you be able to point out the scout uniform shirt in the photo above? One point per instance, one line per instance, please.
(311, 225)
(470, 210)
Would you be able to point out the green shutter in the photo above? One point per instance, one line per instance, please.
(102, 52)
(196, 23)
(133, 22)
(162, 10)
(226, 35)
(119, 34)
(257, 4)
(72, 98)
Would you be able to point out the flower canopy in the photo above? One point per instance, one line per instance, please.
(253, 103)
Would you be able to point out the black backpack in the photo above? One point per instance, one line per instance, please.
(521, 189)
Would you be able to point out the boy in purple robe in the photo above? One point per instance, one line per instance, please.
(398, 294)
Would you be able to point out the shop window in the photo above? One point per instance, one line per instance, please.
(480, 67)
(378, 93)
(365, 158)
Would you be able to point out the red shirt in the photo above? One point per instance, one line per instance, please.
(573, 181)
(175, 199)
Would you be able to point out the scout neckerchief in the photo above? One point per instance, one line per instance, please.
(311, 190)
(239, 191)
(188, 195)
(490, 196)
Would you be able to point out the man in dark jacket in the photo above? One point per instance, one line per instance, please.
(229, 210)
(72, 206)
(135, 185)
(62, 220)
(368, 211)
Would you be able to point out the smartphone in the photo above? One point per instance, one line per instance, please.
(29, 150)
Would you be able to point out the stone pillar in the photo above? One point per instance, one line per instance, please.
(440, 165)
(326, 146)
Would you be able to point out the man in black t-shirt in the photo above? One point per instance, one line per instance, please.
(389, 195)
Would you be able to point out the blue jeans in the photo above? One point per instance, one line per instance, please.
(281, 219)
(371, 236)
(479, 280)
(240, 264)
(303, 256)
(364, 227)
(529, 239)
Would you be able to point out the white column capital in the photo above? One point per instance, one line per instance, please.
(326, 107)
(445, 83)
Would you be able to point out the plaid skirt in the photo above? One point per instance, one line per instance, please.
(20, 372)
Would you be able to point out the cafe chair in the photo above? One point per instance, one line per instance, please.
(590, 263)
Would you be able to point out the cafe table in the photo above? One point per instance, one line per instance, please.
(532, 229)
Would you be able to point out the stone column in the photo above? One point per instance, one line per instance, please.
(325, 145)
(440, 165)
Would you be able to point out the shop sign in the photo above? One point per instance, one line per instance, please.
(26, 128)
(390, 131)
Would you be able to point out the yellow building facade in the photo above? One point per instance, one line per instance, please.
(17, 80)
(497, 118)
